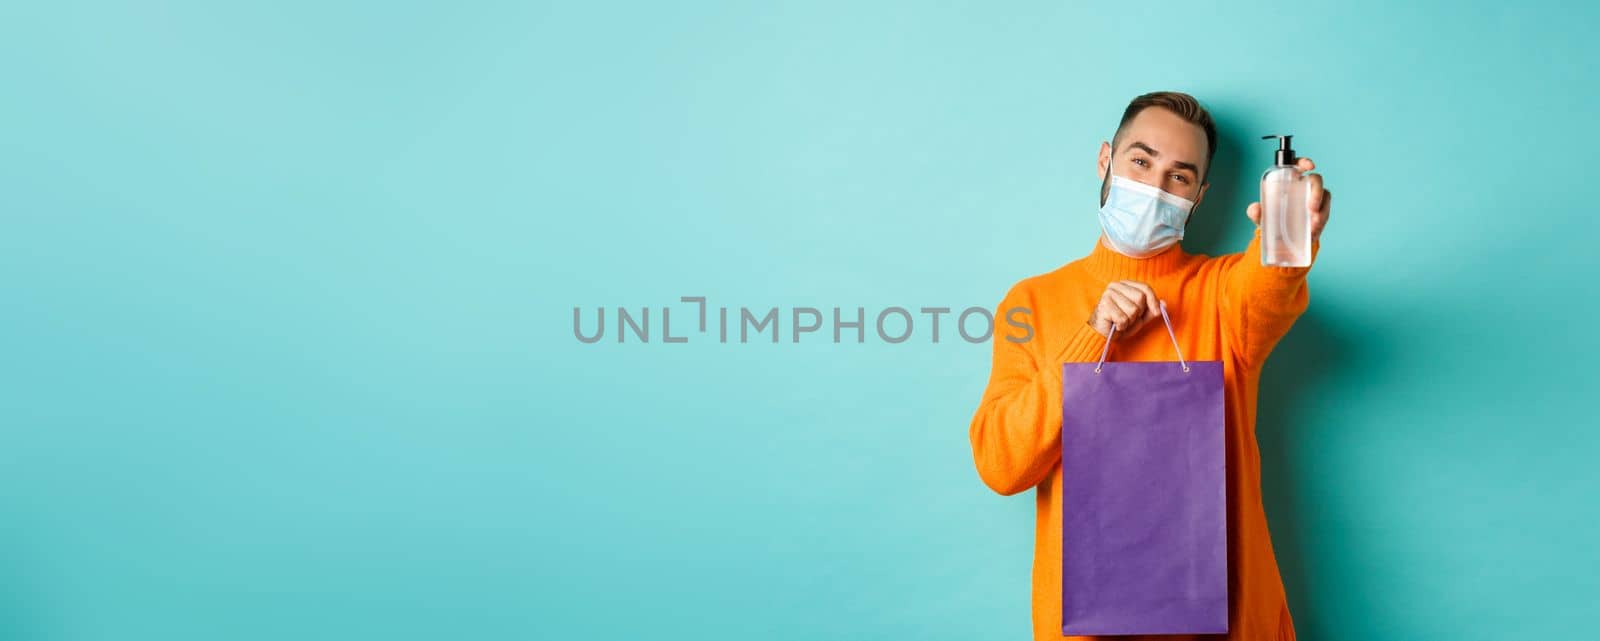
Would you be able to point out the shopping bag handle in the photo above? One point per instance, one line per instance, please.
(1164, 319)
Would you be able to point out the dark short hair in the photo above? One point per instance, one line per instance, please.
(1179, 103)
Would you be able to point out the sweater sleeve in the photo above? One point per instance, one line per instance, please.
(1016, 432)
(1260, 302)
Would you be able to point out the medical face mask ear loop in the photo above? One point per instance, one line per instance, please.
(1105, 183)
(1189, 216)
(1165, 320)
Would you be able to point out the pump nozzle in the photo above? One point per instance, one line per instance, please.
(1285, 149)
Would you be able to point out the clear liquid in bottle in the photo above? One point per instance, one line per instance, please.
(1285, 220)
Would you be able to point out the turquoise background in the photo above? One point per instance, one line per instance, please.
(287, 341)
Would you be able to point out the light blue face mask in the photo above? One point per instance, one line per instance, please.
(1140, 220)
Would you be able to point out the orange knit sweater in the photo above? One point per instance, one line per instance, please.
(1228, 308)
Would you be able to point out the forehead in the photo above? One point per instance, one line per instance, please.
(1168, 133)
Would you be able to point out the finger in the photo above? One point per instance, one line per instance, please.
(1099, 324)
(1132, 295)
(1111, 321)
(1127, 319)
(1254, 212)
(1129, 309)
(1148, 298)
(1105, 317)
(1137, 324)
(1314, 192)
(1139, 315)
(1319, 219)
(1305, 164)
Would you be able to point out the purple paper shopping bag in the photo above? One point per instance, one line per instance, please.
(1143, 505)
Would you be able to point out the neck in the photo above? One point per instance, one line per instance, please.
(1107, 264)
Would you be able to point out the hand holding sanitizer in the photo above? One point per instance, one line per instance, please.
(1285, 220)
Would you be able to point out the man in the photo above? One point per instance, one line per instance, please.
(1229, 308)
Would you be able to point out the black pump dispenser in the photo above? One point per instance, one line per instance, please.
(1285, 149)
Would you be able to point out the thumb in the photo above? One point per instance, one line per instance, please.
(1254, 212)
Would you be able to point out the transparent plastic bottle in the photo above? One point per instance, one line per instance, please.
(1285, 220)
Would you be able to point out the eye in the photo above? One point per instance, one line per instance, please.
(1181, 178)
(1141, 162)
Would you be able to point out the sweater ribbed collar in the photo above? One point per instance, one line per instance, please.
(1106, 264)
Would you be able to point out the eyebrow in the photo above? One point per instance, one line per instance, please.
(1147, 148)
(1156, 154)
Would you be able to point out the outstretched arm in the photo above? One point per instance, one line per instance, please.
(1260, 302)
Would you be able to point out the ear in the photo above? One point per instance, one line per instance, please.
(1201, 195)
(1104, 165)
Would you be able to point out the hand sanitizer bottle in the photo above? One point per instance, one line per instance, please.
(1285, 220)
